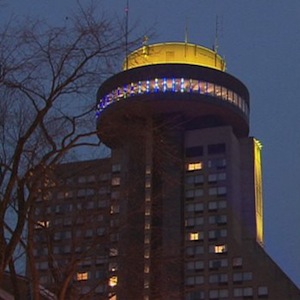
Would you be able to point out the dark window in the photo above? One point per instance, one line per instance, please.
(195, 295)
(194, 151)
(216, 148)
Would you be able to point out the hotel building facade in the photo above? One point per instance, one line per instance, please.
(176, 211)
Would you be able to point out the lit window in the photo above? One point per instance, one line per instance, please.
(113, 252)
(41, 224)
(147, 239)
(194, 166)
(113, 266)
(147, 211)
(82, 276)
(147, 196)
(146, 284)
(112, 296)
(113, 281)
(114, 209)
(147, 253)
(146, 269)
(194, 236)
(148, 183)
(148, 170)
(219, 249)
(115, 181)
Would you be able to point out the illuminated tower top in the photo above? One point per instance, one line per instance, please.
(174, 53)
(172, 78)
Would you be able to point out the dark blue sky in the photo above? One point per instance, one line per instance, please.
(261, 43)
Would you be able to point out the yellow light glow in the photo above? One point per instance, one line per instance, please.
(194, 166)
(258, 192)
(113, 281)
(82, 276)
(174, 53)
(194, 236)
(220, 249)
(42, 224)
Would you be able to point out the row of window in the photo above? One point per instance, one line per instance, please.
(211, 150)
(212, 191)
(199, 179)
(198, 207)
(262, 291)
(217, 163)
(64, 235)
(69, 207)
(216, 278)
(212, 235)
(199, 236)
(174, 85)
(212, 220)
(88, 192)
(213, 264)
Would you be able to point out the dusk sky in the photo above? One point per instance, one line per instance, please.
(260, 41)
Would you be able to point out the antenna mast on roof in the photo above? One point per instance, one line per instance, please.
(216, 44)
(186, 32)
(126, 33)
(218, 34)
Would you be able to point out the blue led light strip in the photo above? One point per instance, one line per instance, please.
(173, 85)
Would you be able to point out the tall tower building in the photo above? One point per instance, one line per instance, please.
(190, 210)
(176, 212)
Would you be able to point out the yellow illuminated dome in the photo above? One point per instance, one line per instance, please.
(174, 53)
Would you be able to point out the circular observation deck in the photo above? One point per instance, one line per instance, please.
(168, 79)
